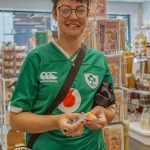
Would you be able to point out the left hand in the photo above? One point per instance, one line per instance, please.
(101, 120)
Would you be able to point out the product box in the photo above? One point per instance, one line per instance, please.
(111, 36)
(88, 34)
(98, 9)
(119, 106)
(15, 139)
(113, 136)
(114, 64)
(42, 37)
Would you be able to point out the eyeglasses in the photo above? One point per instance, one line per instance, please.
(66, 11)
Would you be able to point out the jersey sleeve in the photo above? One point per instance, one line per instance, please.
(26, 89)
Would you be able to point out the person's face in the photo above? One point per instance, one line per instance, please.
(71, 25)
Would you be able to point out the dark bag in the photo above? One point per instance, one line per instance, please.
(104, 95)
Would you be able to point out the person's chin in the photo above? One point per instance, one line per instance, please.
(74, 34)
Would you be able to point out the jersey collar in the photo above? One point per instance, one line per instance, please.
(72, 58)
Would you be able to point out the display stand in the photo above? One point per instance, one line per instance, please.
(136, 132)
(6, 131)
(4, 113)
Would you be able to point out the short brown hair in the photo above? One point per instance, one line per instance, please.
(56, 1)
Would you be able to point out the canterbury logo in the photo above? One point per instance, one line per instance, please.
(48, 77)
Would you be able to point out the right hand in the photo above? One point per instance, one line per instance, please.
(68, 129)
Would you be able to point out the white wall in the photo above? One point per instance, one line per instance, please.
(146, 20)
(132, 9)
(146, 14)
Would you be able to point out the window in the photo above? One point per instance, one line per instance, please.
(19, 26)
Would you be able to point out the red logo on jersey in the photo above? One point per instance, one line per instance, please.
(71, 102)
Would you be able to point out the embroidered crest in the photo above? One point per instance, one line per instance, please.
(91, 80)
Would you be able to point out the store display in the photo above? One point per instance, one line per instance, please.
(113, 136)
(12, 59)
(42, 37)
(12, 142)
(98, 10)
(119, 107)
(139, 45)
(114, 63)
(6, 89)
(88, 34)
(145, 119)
(111, 36)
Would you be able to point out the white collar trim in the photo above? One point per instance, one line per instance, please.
(61, 49)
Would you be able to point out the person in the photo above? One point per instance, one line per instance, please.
(41, 77)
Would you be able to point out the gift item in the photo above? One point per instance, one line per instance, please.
(119, 106)
(88, 115)
(111, 36)
(114, 64)
(139, 45)
(88, 34)
(15, 142)
(113, 136)
(145, 119)
(41, 37)
(12, 60)
(98, 9)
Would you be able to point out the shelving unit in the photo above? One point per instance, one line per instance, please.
(4, 116)
(136, 132)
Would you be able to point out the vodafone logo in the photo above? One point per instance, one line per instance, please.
(48, 77)
(71, 102)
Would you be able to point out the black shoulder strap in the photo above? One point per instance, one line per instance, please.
(64, 89)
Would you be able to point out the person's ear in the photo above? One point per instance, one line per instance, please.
(54, 14)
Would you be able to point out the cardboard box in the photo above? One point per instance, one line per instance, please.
(112, 35)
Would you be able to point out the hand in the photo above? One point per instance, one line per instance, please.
(68, 129)
(101, 120)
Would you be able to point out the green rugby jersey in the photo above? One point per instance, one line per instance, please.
(41, 77)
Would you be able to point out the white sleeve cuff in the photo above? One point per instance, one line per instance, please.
(14, 109)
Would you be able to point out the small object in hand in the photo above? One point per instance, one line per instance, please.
(82, 117)
(90, 115)
(65, 129)
(72, 121)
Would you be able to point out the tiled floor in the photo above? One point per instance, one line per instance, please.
(136, 145)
